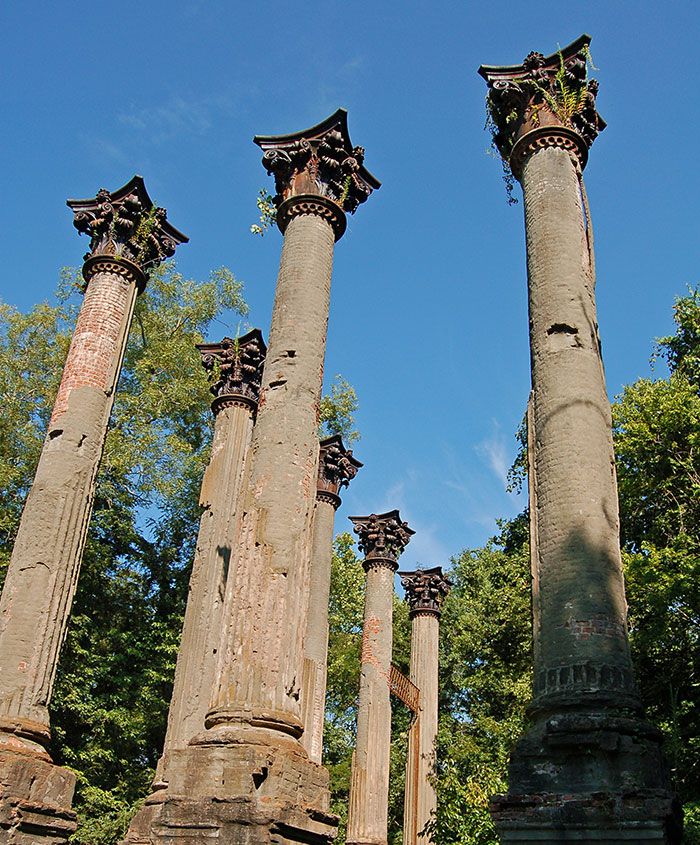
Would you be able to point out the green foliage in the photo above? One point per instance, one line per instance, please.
(337, 412)
(484, 683)
(268, 213)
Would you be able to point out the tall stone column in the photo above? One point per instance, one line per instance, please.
(336, 468)
(129, 236)
(590, 768)
(238, 366)
(425, 592)
(382, 538)
(248, 776)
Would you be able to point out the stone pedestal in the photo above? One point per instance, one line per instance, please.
(336, 468)
(425, 592)
(590, 768)
(43, 571)
(247, 778)
(382, 538)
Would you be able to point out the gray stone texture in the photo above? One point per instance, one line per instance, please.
(247, 778)
(45, 562)
(195, 674)
(316, 640)
(35, 795)
(369, 787)
(589, 769)
(261, 662)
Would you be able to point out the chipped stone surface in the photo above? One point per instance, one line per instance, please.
(261, 663)
(582, 772)
(195, 674)
(425, 593)
(45, 562)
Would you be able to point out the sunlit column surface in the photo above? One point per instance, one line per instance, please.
(382, 538)
(128, 237)
(589, 765)
(425, 592)
(337, 467)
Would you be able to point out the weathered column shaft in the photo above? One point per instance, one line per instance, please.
(195, 674)
(425, 592)
(576, 493)
(43, 571)
(316, 641)
(589, 767)
(369, 788)
(238, 365)
(262, 662)
(336, 468)
(44, 566)
(382, 537)
(420, 765)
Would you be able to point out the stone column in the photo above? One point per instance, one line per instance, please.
(382, 538)
(589, 768)
(336, 468)
(248, 775)
(237, 365)
(425, 592)
(129, 235)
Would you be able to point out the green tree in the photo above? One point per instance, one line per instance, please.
(485, 659)
(657, 434)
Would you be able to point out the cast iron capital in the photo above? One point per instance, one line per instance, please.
(317, 171)
(237, 366)
(425, 590)
(544, 102)
(383, 537)
(128, 233)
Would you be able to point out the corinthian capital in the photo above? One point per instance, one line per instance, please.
(235, 367)
(125, 226)
(425, 590)
(545, 101)
(336, 468)
(317, 165)
(383, 537)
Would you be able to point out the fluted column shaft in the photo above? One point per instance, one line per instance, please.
(262, 659)
(421, 799)
(582, 609)
(195, 674)
(43, 570)
(316, 641)
(369, 787)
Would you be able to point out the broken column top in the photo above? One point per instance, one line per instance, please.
(126, 227)
(237, 365)
(425, 590)
(318, 162)
(383, 537)
(547, 99)
(336, 468)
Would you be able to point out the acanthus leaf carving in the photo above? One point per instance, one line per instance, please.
(382, 536)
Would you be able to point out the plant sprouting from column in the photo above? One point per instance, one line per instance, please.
(268, 213)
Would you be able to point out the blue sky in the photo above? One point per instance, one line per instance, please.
(428, 317)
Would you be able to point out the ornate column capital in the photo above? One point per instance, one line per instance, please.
(336, 469)
(425, 590)
(317, 171)
(547, 101)
(383, 537)
(129, 235)
(235, 366)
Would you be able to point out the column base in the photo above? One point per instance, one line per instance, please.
(588, 777)
(238, 794)
(35, 800)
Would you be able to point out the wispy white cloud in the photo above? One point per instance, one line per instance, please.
(177, 116)
(492, 449)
